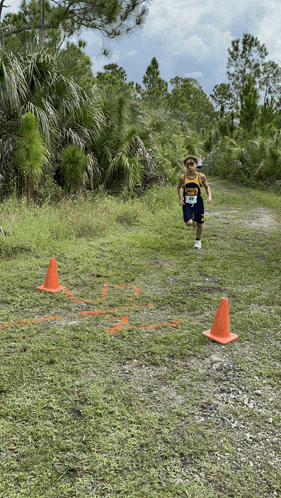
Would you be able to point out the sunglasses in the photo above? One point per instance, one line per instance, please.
(191, 163)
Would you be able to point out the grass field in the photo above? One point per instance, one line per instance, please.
(153, 408)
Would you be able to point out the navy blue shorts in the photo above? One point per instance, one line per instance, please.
(194, 211)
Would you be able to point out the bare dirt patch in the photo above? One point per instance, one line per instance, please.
(261, 219)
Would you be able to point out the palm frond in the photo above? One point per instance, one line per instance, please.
(125, 170)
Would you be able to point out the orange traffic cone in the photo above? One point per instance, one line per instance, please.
(220, 330)
(52, 281)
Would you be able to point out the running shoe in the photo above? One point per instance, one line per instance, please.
(197, 244)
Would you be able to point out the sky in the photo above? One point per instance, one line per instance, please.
(189, 39)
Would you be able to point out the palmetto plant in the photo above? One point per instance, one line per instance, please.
(43, 83)
(267, 152)
(169, 138)
(113, 145)
(249, 160)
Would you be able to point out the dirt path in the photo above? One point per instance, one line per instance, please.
(260, 218)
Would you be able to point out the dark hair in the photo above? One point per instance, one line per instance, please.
(192, 158)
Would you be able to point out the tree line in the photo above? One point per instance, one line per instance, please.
(247, 131)
(63, 130)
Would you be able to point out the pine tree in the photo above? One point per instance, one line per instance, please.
(245, 58)
(270, 84)
(74, 164)
(222, 96)
(30, 154)
(118, 72)
(155, 87)
(113, 18)
(188, 96)
(249, 99)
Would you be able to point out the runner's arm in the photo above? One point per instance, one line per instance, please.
(204, 182)
(179, 189)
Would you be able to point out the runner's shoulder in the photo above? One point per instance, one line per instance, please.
(181, 178)
(202, 178)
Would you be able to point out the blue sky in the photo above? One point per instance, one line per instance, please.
(188, 38)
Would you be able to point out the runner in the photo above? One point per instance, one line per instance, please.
(192, 202)
(200, 162)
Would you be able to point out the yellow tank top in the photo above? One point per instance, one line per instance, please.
(191, 187)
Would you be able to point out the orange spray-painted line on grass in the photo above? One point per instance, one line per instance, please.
(103, 312)
(122, 319)
(107, 313)
(112, 330)
(131, 306)
(103, 294)
(96, 312)
(158, 325)
(26, 322)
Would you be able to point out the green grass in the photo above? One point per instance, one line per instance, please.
(145, 412)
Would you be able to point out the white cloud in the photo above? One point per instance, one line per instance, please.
(177, 45)
(13, 6)
(130, 54)
(195, 75)
(99, 61)
(208, 44)
(199, 31)
(93, 39)
(268, 30)
(204, 24)
(164, 14)
(185, 15)
(197, 35)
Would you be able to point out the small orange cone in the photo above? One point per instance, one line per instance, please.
(220, 330)
(52, 280)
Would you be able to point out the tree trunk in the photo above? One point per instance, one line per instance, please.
(42, 20)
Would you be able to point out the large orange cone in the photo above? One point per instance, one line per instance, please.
(52, 280)
(220, 330)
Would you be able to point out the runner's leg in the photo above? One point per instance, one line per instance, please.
(199, 230)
